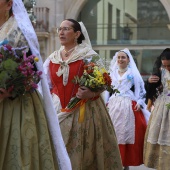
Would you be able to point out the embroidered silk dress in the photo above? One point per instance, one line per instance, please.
(25, 142)
(130, 125)
(157, 139)
(91, 144)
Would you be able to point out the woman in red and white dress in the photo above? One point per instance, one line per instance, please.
(127, 108)
(91, 143)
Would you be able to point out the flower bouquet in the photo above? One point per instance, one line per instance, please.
(96, 78)
(17, 70)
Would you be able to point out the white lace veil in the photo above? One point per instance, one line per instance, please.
(138, 81)
(27, 29)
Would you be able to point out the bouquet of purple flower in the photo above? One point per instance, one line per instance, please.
(17, 70)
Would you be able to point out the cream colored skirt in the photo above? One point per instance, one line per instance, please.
(92, 144)
(157, 138)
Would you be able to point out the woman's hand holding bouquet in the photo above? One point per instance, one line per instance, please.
(95, 79)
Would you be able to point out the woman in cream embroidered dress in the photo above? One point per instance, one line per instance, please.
(25, 139)
(126, 108)
(157, 138)
(91, 144)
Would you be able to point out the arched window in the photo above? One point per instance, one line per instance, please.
(142, 26)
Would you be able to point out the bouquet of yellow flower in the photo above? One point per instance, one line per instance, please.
(96, 78)
(17, 70)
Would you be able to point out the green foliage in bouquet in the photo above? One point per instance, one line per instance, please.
(95, 77)
(17, 70)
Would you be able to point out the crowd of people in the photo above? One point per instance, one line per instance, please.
(40, 131)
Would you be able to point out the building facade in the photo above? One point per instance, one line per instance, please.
(142, 26)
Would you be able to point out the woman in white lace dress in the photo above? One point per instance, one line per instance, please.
(157, 139)
(127, 108)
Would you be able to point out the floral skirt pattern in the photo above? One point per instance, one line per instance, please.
(25, 141)
(157, 137)
(92, 144)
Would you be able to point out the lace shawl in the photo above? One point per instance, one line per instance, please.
(81, 52)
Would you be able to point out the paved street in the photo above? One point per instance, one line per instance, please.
(142, 167)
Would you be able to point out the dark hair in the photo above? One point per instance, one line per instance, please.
(10, 11)
(165, 55)
(77, 27)
(153, 89)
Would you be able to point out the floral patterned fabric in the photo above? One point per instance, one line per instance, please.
(155, 155)
(157, 138)
(92, 144)
(25, 140)
(12, 32)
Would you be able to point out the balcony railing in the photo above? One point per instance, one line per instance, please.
(42, 19)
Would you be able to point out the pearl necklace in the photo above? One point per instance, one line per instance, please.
(67, 52)
(122, 70)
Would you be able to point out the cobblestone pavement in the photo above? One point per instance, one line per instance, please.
(142, 167)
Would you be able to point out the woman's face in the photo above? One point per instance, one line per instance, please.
(166, 64)
(66, 33)
(122, 60)
(2, 7)
(5, 6)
